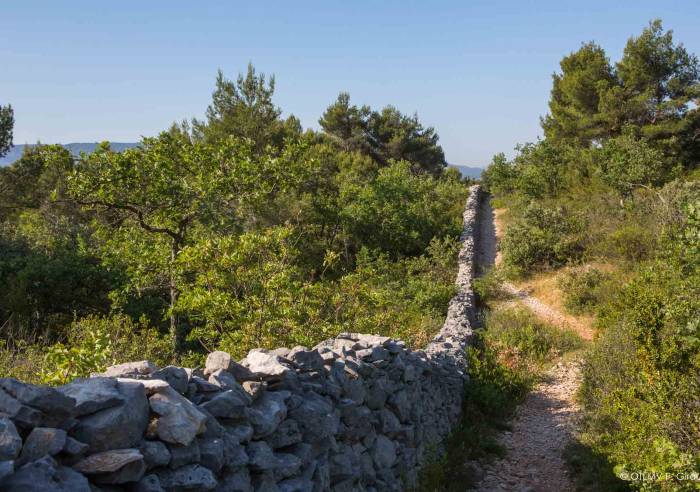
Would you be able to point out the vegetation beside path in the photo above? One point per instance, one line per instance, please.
(608, 206)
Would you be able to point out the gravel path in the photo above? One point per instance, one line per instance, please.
(548, 313)
(544, 423)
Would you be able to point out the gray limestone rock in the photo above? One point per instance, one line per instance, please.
(298, 484)
(180, 420)
(155, 454)
(92, 394)
(305, 359)
(55, 406)
(22, 415)
(73, 447)
(254, 388)
(131, 369)
(10, 442)
(286, 434)
(267, 412)
(384, 452)
(211, 452)
(265, 365)
(113, 467)
(222, 361)
(7, 468)
(238, 481)
(42, 441)
(149, 483)
(316, 417)
(44, 475)
(175, 376)
(118, 427)
(189, 478)
(243, 433)
(230, 404)
(184, 455)
(261, 456)
(234, 453)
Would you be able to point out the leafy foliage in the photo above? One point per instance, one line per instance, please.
(614, 181)
(582, 289)
(229, 233)
(94, 343)
(542, 238)
(642, 374)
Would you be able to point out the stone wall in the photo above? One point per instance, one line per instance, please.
(357, 412)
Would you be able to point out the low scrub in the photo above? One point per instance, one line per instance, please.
(542, 238)
(583, 289)
(641, 389)
(520, 337)
(488, 287)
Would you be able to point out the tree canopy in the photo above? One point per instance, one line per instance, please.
(7, 123)
(245, 109)
(652, 90)
(384, 135)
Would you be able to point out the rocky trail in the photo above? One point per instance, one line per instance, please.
(545, 421)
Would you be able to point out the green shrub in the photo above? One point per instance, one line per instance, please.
(95, 343)
(22, 361)
(517, 332)
(542, 238)
(489, 286)
(641, 389)
(631, 243)
(581, 288)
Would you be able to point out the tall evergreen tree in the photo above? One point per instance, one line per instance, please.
(660, 82)
(7, 123)
(244, 108)
(384, 135)
(346, 125)
(574, 114)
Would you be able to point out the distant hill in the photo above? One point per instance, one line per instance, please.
(74, 148)
(467, 171)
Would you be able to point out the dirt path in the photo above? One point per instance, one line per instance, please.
(544, 423)
(548, 313)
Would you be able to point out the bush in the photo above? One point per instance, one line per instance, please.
(22, 361)
(401, 212)
(581, 288)
(522, 338)
(631, 243)
(95, 343)
(640, 389)
(627, 162)
(542, 238)
(489, 286)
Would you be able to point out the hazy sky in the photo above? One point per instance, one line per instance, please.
(478, 71)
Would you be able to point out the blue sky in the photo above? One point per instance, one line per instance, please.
(478, 71)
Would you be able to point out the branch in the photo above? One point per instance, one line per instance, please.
(176, 236)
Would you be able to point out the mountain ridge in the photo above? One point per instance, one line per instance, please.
(75, 148)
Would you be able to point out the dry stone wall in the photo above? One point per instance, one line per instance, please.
(357, 412)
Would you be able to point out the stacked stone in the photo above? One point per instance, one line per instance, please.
(456, 333)
(357, 412)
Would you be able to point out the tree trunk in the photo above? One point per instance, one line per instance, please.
(176, 331)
